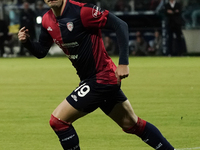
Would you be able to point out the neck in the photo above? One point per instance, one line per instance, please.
(58, 10)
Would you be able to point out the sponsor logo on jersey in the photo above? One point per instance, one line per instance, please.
(96, 11)
(73, 57)
(49, 29)
(70, 26)
(70, 45)
(57, 42)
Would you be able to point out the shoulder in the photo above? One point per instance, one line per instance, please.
(76, 3)
(31, 11)
(94, 11)
(178, 4)
(167, 5)
(48, 13)
(47, 18)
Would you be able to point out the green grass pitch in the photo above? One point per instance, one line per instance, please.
(164, 91)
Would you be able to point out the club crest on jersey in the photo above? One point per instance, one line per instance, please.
(70, 26)
(96, 11)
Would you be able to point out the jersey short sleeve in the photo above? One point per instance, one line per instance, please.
(93, 16)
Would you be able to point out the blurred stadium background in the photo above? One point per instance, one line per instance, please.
(144, 16)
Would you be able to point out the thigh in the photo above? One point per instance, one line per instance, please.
(111, 99)
(123, 114)
(66, 112)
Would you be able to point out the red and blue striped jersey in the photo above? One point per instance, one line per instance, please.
(78, 33)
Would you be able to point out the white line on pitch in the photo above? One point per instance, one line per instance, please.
(188, 148)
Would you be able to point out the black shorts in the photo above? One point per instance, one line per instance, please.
(91, 95)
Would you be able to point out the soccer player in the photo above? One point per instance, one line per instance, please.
(76, 28)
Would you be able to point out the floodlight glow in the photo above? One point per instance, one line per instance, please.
(39, 20)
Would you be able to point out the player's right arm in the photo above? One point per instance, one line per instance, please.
(38, 49)
(23, 35)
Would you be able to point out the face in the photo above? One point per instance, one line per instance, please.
(138, 39)
(156, 34)
(106, 39)
(26, 5)
(54, 3)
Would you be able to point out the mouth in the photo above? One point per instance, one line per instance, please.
(50, 1)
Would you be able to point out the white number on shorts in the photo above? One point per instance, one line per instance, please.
(84, 89)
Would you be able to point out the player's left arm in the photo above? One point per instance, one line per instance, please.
(94, 17)
(121, 29)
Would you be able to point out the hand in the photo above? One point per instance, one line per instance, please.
(170, 11)
(23, 35)
(177, 11)
(121, 72)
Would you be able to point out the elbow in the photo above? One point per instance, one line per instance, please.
(124, 25)
(41, 53)
(40, 56)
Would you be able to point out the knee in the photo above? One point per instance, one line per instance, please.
(57, 124)
(137, 128)
(129, 123)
